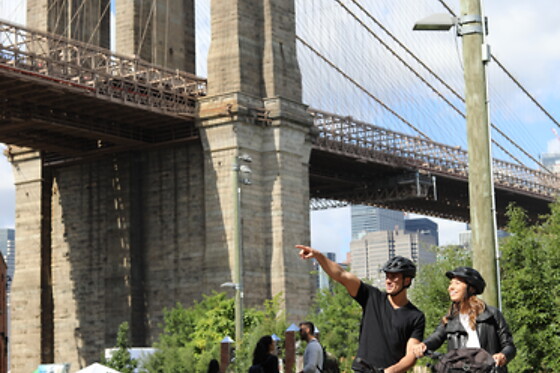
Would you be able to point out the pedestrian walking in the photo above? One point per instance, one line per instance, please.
(313, 355)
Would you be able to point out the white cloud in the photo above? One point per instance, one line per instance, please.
(525, 34)
(553, 146)
(449, 231)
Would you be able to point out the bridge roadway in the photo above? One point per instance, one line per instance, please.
(75, 101)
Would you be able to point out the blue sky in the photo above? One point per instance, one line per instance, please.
(524, 36)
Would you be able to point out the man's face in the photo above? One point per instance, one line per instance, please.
(303, 332)
(393, 282)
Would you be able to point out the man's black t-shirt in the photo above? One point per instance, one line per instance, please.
(384, 330)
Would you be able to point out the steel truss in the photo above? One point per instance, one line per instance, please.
(346, 136)
(98, 71)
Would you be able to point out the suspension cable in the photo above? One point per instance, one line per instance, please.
(99, 22)
(436, 76)
(362, 88)
(517, 83)
(148, 19)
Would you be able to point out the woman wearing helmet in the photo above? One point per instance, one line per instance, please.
(470, 322)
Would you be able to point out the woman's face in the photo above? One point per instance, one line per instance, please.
(457, 289)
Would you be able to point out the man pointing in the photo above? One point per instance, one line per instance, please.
(390, 324)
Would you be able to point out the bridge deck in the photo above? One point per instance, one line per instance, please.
(68, 97)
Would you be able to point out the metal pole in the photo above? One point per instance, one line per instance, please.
(237, 252)
(483, 223)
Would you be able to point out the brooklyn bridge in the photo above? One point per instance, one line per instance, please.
(125, 163)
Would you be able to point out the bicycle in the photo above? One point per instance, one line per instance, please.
(463, 360)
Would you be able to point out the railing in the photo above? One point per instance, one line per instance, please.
(98, 71)
(347, 136)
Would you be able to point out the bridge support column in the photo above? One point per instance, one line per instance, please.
(159, 31)
(274, 208)
(254, 106)
(31, 336)
(85, 21)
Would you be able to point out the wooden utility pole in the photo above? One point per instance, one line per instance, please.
(481, 186)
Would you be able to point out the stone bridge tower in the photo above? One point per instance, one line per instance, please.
(120, 237)
(254, 107)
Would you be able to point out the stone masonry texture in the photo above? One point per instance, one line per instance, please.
(161, 32)
(122, 237)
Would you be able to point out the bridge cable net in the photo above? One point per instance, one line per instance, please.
(387, 63)
(440, 80)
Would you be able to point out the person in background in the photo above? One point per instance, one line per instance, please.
(264, 359)
(213, 366)
(471, 323)
(313, 355)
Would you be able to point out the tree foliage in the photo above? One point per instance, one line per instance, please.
(530, 268)
(191, 336)
(337, 316)
(120, 359)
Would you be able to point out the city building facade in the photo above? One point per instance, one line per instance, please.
(373, 219)
(323, 280)
(371, 252)
(8, 249)
(423, 226)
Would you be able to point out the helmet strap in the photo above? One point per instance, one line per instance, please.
(404, 286)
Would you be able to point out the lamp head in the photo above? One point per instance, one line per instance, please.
(436, 22)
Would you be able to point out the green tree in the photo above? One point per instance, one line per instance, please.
(337, 316)
(530, 269)
(121, 359)
(191, 336)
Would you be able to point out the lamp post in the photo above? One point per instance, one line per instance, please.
(471, 27)
(240, 177)
(290, 347)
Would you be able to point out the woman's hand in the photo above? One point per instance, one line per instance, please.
(500, 359)
(419, 349)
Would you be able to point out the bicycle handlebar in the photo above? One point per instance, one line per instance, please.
(434, 355)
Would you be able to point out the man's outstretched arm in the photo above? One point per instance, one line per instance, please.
(350, 281)
(407, 361)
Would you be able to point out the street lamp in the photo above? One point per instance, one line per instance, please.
(241, 174)
(471, 27)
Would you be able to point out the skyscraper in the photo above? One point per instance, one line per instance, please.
(373, 219)
(423, 226)
(371, 251)
(8, 249)
(323, 280)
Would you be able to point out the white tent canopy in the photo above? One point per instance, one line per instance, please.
(97, 368)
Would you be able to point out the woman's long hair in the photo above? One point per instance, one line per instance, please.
(262, 350)
(214, 366)
(471, 305)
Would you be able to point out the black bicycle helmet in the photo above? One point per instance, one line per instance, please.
(399, 264)
(471, 277)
